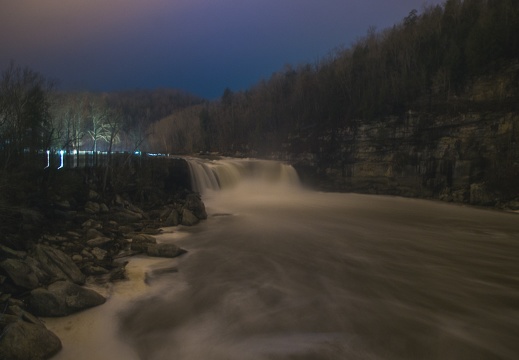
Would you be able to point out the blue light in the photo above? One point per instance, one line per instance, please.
(62, 152)
(48, 160)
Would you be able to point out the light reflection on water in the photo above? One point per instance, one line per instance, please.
(293, 274)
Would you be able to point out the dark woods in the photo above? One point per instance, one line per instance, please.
(459, 57)
(463, 56)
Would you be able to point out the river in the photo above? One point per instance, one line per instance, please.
(281, 272)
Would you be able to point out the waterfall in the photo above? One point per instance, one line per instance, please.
(226, 173)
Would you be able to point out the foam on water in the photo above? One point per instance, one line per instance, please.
(277, 272)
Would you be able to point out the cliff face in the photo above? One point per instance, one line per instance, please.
(465, 149)
(470, 157)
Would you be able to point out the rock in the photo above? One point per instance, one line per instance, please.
(93, 233)
(6, 252)
(63, 298)
(63, 204)
(196, 206)
(140, 242)
(164, 250)
(20, 273)
(24, 315)
(173, 218)
(103, 208)
(100, 242)
(127, 216)
(77, 258)
(479, 195)
(54, 239)
(135, 209)
(188, 218)
(73, 234)
(513, 205)
(92, 208)
(93, 195)
(86, 254)
(119, 201)
(92, 224)
(57, 264)
(21, 340)
(95, 270)
(99, 253)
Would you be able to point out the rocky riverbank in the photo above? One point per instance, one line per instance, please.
(75, 238)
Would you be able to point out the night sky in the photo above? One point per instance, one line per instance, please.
(201, 46)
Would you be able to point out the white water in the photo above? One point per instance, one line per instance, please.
(278, 272)
(225, 174)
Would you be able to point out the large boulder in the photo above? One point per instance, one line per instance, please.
(101, 241)
(140, 242)
(172, 219)
(63, 298)
(57, 264)
(127, 216)
(188, 218)
(20, 273)
(164, 250)
(196, 206)
(22, 340)
(92, 207)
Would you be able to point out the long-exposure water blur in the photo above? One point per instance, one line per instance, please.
(280, 272)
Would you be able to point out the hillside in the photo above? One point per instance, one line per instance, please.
(433, 100)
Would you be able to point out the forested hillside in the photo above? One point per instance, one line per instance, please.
(429, 107)
(442, 60)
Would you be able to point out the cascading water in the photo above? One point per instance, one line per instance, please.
(227, 173)
(279, 272)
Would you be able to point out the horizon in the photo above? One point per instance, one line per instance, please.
(198, 47)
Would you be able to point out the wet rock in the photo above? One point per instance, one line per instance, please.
(173, 219)
(92, 208)
(95, 270)
(93, 233)
(7, 252)
(90, 223)
(22, 340)
(20, 273)
(164, 250)
(188, 218)
(479, 195)
(57, 264)
(100, 242)
(513, 205)
(127, 216)
(99, 254)
(63, 204)
(196, 206)
(93, 195)
(63, 298)
(103, 208)
(140, 242)
(54, 239)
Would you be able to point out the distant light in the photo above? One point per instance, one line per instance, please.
(137, 152)
(62, 152)
(48, 159)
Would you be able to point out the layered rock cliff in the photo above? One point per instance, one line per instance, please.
(465, 150)
(470, 157)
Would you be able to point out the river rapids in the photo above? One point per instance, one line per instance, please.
(282, 272)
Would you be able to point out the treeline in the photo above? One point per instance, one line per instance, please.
(34, 117)
(430, 61)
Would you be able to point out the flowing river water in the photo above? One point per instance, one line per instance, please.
(280, 272)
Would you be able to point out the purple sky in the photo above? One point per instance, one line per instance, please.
(202, 46)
